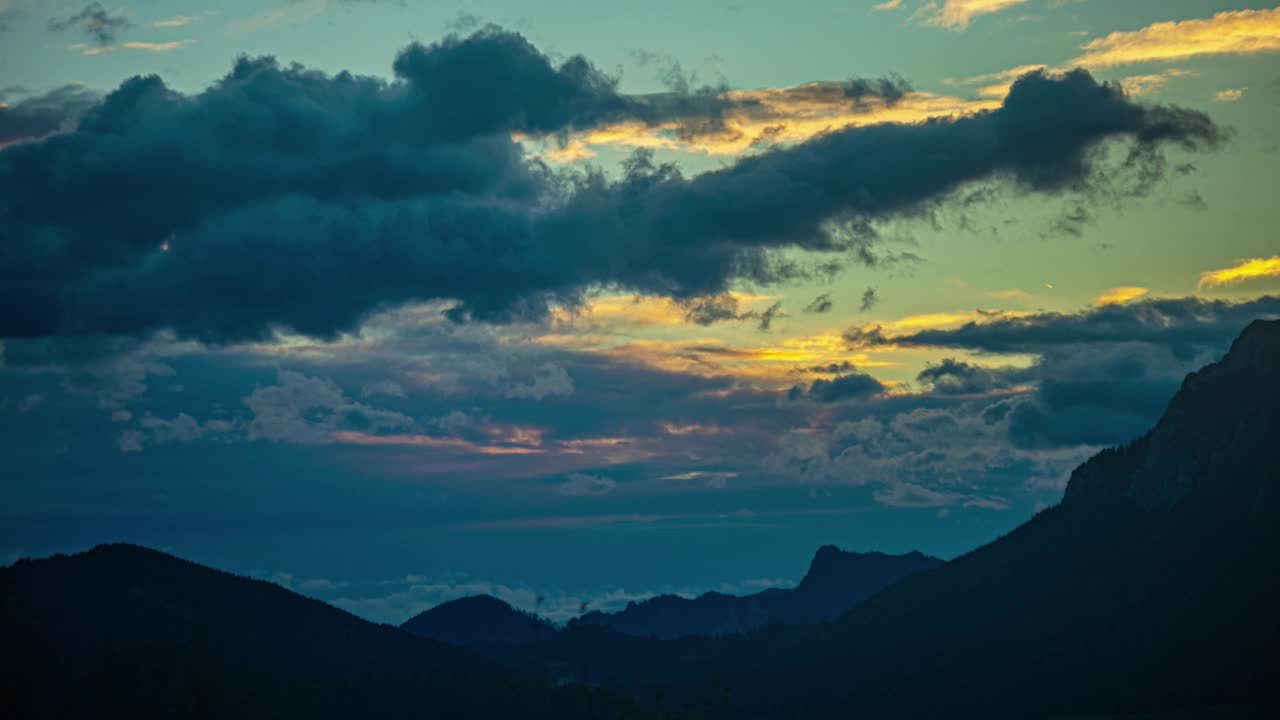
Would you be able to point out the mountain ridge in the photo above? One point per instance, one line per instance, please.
(126, 631)
(1139, 593)
(835, 581)
(1149, 591)
(1221, 412)
(477, 621)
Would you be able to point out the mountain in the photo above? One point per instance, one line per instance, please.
(479, 621)
(1150, 591)
(835, 582)
(123, 631)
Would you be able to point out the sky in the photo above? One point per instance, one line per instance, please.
(578, 302)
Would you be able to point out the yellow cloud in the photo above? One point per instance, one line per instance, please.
(1239, 32)
(1143, 84)
(1011, 294)
(957, 14)
(180, 21)
(763, 117)
(1120, 295)
(931, 321)
(1245, 270)
(777, 364)
(607, 310)
(884, 332)
(1231, 95)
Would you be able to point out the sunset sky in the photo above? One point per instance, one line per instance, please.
(571, 302)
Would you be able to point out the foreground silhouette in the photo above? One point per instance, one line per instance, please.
(1149, 592)
(1153, 588)
(123, 631)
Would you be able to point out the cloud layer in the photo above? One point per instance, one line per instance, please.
(1234, 32)
(282, 196)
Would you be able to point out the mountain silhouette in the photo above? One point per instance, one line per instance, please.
(479, 621)
(836, 581)
(123, 631)
(1150, 591)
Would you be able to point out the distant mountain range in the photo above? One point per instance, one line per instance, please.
(836, 581)
(1151, 591)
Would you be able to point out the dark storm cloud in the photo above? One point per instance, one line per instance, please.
(820, 304)
(854, 386)
(35, 117)
(283, 196)
(869, 300)
(836, 368)
(953, 377)
(1102, 376)
(712, 309)
(1186, 325)
(700, 109)
(100, 25)
(773, 312)
(1098, 394)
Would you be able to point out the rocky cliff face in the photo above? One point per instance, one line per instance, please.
(1216, 435)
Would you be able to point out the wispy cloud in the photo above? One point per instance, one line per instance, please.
(133, 45)
(1245, 270)
(1231, 95)
(996, 85)
(290, 13)
(1240, 32)
(1120, 295)
(94, 21)
(887, 5)
(429, 441)
(1144, 84)
(769, 116)
(957, 14)
(583, 485)
(180, 21)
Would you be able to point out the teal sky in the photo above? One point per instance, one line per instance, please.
(740, 470)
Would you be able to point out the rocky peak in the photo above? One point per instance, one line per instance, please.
(1218, 430)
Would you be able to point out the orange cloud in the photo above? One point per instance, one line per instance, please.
(1120, 295)
(691, 429)
(1239, 32)
(1245, 270)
